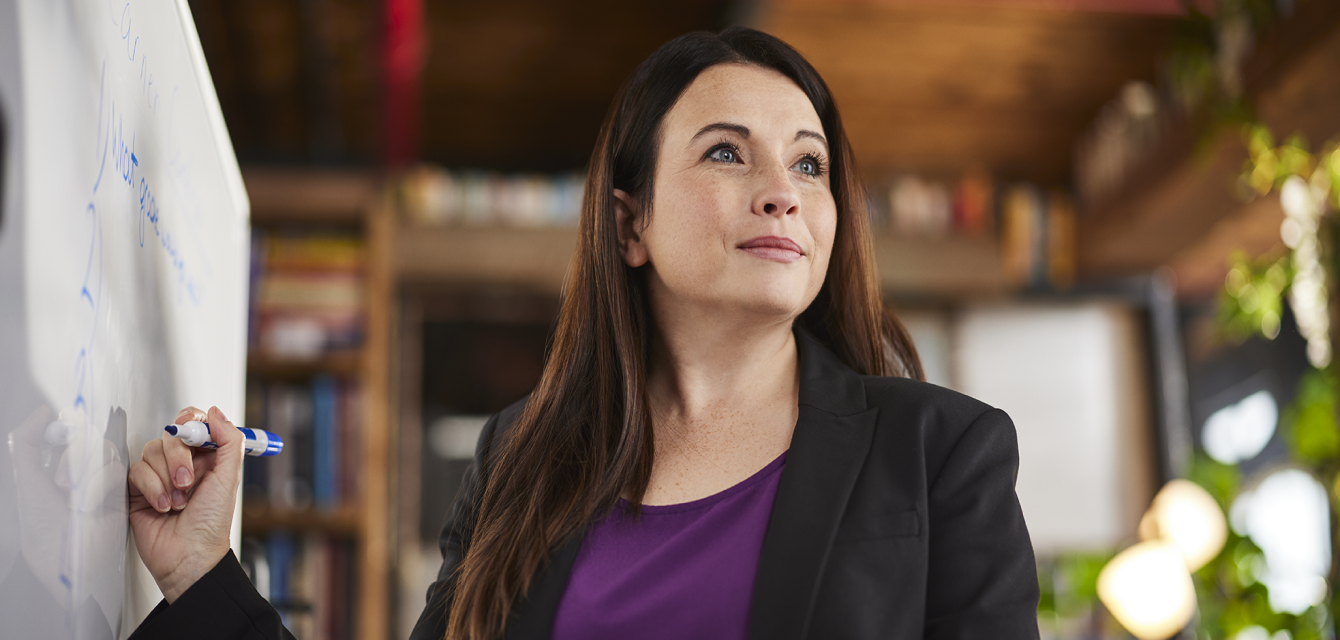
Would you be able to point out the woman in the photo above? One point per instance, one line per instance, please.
(718, 446)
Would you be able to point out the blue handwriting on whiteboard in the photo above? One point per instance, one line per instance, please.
(127, 161)
(124, 21)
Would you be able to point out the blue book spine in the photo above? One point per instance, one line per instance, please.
(323, 436)
(279, 553)
(335, 436)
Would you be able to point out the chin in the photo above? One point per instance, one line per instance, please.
(776, 300)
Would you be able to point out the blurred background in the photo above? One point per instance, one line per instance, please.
(1113, 219)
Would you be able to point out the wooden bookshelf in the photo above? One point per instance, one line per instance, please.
(374, 517)
(261, 521)
(1179, 206)
(341, 363)
(342, 199)
(951, 266)
(537, 258)
(307, 196)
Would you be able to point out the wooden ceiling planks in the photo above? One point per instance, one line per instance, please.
(1180, 205)
(524, 84)
(939, 87)
(297, 79)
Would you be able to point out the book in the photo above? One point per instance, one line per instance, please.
(319, 421)
(308, 293)
(435, 196)
(1021, 233)
(308, 579)
(325, 460)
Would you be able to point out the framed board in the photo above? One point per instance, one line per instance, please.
(123, 291)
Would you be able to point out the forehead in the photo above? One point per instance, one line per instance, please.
(759, 98)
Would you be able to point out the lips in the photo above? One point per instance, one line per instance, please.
(775, 248)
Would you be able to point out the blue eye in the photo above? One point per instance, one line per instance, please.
(810, 166)
(724, 154)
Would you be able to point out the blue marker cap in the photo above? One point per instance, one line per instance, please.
(273, 444)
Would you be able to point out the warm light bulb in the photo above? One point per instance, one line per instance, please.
(1148, 590)
(1186, 515)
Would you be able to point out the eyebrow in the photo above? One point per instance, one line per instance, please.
(740, 129)
(743, 132)
(805, 133)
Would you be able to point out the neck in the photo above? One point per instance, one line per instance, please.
(704, 372)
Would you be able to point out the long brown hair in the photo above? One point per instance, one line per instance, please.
(585, 435)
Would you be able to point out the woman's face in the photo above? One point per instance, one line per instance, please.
(742, 215)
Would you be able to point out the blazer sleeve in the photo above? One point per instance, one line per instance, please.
(982, 580)
(453, 541)
(221, 604)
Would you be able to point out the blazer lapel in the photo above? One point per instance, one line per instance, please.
(533, 617)
(833, 434)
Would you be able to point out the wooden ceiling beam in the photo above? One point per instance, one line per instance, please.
(1174, 199)
(942, 87)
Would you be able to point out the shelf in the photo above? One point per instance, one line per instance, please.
(349, 199)
(538, 259)
(261, 519)
(309, 196)
(529, 258)
(1180, 201)
(340, 363)
(943, 267)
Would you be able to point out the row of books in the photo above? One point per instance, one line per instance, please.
(320, 423)
(435, 196)
(309, 580)
(306, 292)
(918, 207)
(1037, 237)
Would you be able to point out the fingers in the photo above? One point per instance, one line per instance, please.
(225, 433)
(178, 465)
(166, 473)
(156, 457)
(146, 482)
(191, 413)
(227, 467)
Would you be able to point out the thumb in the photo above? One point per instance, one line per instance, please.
(230, 452)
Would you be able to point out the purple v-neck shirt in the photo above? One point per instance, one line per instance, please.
(682, 571)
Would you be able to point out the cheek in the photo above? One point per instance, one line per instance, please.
(688, 218)
(823, 228)
(704, 200)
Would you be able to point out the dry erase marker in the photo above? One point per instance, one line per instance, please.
(258, 443)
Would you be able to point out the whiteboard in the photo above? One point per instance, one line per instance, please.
(123, 290)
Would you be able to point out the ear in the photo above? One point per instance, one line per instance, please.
(626, 219)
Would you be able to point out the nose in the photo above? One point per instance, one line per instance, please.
(777, 195)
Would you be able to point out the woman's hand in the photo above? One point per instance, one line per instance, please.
(182, 500)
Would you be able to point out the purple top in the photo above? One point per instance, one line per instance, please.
(683, 571)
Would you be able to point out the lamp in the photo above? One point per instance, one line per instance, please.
(1148, 590)
(1148, 586)
(1186, 515)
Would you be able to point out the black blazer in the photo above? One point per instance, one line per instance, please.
(895, 517)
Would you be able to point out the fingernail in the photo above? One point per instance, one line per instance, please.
(178, 499)
(183, 477)
(163, 503)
